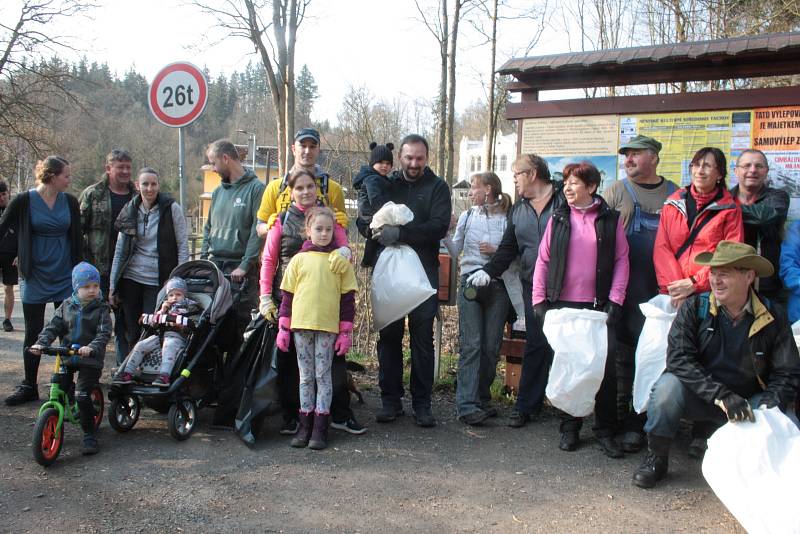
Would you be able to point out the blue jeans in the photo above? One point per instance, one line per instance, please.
(536, 360)
(480, 333)
(390, 355)
(671, 400)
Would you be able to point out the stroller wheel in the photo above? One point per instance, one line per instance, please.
(181, 419)
(98, 403)
(124, 412)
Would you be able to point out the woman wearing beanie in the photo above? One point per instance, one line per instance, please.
(49, 241)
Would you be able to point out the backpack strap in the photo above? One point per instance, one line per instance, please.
(703, 305)
(694, 233)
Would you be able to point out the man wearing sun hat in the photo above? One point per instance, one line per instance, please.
(729, 350)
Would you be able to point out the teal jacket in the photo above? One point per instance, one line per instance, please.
(230, 230)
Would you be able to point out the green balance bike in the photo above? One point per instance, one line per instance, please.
(48, 433)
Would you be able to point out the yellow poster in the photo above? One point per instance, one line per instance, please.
(567, 136)
(682, 134)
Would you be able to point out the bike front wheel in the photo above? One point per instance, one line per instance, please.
(48, 437)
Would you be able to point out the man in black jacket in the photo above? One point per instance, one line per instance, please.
(538, 198)
(728, 351)
(428, 197)
(764, 211)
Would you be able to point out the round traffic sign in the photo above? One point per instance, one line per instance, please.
(178, 94)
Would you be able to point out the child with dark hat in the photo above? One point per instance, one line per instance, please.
(372, 183)
(83, 319)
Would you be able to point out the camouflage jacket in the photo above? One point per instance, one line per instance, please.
(98, 226)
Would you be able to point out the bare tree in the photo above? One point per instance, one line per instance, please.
(32, 89)
(438, 25)
(496, 94)
(243, 18)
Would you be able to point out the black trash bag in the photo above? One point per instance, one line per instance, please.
(233, 373)
(260, 396)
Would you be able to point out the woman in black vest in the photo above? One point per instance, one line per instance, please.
(153, 240)
(284, 241)
(583, 263)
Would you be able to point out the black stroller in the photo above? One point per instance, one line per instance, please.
(194, 377)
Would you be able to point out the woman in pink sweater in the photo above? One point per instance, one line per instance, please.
(583, 263)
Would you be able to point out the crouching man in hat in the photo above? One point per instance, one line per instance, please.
(729, 350)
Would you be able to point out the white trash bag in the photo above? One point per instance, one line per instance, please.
(796, 333)
(754, 469)
(392, 214)
(579, 339)
(651, 351)
(399, 282)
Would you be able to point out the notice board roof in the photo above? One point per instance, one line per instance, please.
(772, 54)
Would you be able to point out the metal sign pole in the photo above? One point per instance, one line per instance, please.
(181, 175)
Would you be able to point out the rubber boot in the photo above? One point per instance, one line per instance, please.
(306, 423)
(86, 417)
(319, 437)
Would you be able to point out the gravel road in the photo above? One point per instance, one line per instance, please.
(394, 478)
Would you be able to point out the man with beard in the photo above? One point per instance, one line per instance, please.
(229, 235)
(428, 197)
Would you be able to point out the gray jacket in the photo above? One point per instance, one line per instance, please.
(87, 326)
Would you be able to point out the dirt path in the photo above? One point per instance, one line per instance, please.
(394, 478)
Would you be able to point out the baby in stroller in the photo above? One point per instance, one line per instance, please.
(174, 312)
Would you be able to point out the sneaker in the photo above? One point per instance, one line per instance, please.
(490, 410)
(162, 381)
(632, 441)
(7, 326)
(387, 414)
(24, 393)
(123, 379)
(610, 447)
(569, 441)
(475, 418)
(351, 426)
(289, 427)
(424, 418)
(89, 445)
(653, 469)
(518, 419)
(697, 448)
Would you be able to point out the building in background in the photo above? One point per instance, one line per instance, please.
(472, 153)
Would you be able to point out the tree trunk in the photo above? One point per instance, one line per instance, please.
(491, 122)
(451, 92)
(441, 120)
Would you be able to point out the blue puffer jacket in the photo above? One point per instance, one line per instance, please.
(790, 269)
